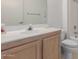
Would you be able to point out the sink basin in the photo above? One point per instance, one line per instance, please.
(24, 31)
(12, 35)
(35, 30)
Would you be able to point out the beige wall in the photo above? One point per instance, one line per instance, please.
(54, 13)
(65, 16)
(72, 16)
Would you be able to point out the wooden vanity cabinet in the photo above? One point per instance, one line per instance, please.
(44, 48)
(27, 51)
(51, 48)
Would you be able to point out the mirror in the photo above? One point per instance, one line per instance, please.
(15, 12)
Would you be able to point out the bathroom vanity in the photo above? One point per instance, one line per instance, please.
(43, 45)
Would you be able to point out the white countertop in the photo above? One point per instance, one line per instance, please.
(20, 34)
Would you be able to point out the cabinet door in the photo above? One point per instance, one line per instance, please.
(27, 51)
(51, 48)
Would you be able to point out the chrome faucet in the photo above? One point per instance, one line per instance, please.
(30, 27)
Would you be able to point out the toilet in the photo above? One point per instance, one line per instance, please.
(70, 47)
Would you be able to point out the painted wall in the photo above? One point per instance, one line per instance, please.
(54, 13)
(65, 15)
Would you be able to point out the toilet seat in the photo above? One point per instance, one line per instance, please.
(70, 43)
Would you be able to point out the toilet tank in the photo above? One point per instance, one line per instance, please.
(74, 38)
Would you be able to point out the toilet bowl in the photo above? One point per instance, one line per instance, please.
(70, 43)
(69, 46)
